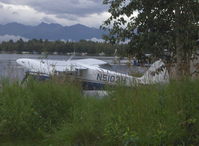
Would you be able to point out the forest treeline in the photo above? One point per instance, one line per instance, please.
(61, 47)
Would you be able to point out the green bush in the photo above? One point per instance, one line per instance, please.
(35, 108)
(60, 115)
(85, 127)
(15, 110)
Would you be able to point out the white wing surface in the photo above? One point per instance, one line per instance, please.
(51, 66)
(90, 61)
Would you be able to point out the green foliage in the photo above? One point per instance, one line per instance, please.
(36, 108)
(85, 127)
(57, 114)
(16, 110)
(148, 115)
(38, 46)
(153, 25)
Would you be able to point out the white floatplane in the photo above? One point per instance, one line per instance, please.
(90, 72)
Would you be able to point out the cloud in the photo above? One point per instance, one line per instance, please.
(11, 37)
(75, 7)
(19, 13)
(65, 12)
(96, 40)
(94, 19)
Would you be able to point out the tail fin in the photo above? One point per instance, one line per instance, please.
(157, 73)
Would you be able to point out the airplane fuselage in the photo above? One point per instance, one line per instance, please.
(91, 74)
(96, 77)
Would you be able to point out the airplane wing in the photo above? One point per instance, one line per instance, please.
(50, 66)
(76, 65)
(69, 68)
(90, 62)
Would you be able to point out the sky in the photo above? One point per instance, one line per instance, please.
(91, 13)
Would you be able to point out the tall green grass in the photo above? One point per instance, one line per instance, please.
(57, 113)
(36, 108)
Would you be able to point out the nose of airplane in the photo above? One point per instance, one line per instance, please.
(21, 61)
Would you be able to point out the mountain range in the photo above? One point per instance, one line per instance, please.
(51, 31)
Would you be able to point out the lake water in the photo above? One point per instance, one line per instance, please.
(10, 69)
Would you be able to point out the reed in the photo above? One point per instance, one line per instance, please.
(57, 113)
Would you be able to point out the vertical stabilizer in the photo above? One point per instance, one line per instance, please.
(157, 73)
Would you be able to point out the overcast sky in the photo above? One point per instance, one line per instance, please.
(65, 12)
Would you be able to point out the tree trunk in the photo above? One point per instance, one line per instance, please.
(182, 54)
(179, 45)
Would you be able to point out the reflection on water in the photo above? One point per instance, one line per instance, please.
(10, 69)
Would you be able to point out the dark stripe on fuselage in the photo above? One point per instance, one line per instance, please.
(92, 85)
(86, 85)
(39, 77)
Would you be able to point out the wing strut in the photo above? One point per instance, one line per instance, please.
(25, 77)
